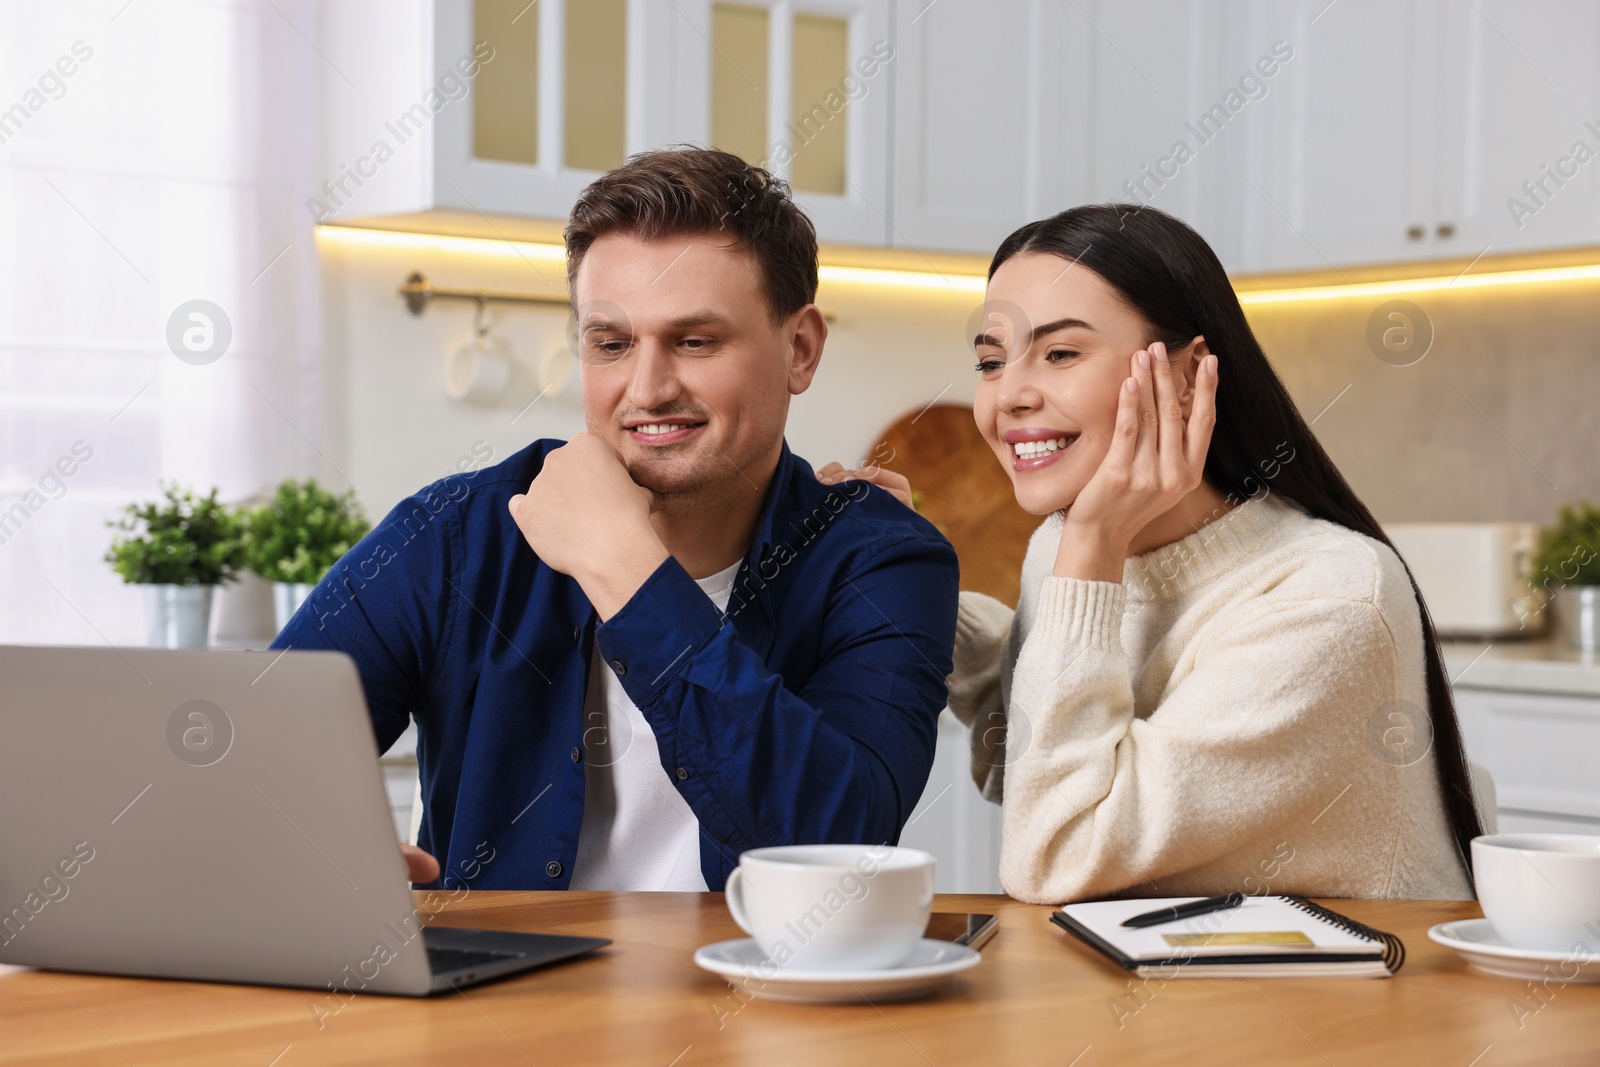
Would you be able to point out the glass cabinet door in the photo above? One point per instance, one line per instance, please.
(739, 79)
(819, 104)
(548, 108)
(587, 42)
(800, 87)
(594, 97)
(566, 89)
(505, 115)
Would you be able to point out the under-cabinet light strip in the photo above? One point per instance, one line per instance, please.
(966, 283)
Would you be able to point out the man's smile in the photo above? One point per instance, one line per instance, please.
(658, 432)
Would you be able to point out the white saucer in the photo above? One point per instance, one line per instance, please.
(747, 968)
(1484, 949)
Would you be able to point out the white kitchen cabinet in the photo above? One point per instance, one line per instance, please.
(988, 94)
(1405, 127)
(1523, 85)
(1543, 750)
(1243, 118)
(1151, 63)
(1353, 132)
(541, 75)
(495, 109)
(1008, 112)
(458, 107)
(1293, 137)
(1382, 131)
(1182, 111)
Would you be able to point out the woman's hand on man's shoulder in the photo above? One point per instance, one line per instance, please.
(897, 484)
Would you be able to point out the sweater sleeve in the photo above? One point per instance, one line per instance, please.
(1271, 713)
(983, 626)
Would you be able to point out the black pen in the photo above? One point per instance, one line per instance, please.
(1186, 911)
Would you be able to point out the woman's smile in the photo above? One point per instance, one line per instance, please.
(1034, 447)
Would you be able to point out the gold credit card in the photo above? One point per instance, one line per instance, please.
(1243, 937)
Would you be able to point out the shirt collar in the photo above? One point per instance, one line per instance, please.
(754, 576)
(778, 492)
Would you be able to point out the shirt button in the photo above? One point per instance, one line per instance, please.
(553, 869)
(620, 667)
(683, 774)
(576, 755)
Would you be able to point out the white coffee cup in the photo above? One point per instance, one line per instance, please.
(478, 372)
(833, 907)
(1540, 891)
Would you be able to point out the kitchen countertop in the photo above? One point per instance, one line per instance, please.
(1545, 665)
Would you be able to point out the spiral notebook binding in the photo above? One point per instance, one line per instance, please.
(1394, 950)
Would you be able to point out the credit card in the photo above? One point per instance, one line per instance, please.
(1243, 937)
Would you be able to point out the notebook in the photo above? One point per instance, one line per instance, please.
(1283, 936)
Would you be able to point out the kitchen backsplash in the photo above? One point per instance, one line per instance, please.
(1499, 420)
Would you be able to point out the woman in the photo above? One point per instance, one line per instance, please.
(1219, 676)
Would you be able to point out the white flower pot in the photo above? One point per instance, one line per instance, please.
(286, 600)
(179, 615)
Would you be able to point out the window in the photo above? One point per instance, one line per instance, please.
(173, 164)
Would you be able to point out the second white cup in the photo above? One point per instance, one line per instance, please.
(833, 907)
(1540, 891)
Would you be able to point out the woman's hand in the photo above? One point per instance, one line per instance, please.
(1157, 457)
(897, 484)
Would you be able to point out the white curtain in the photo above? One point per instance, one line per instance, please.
(152, 153)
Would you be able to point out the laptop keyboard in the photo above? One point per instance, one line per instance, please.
(446, 960)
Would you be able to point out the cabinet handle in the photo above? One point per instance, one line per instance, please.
(1446, 229)
(1415, 233)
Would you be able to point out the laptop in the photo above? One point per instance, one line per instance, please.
(217, 816)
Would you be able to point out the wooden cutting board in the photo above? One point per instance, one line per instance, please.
(962, 490)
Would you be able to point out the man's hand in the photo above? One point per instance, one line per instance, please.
(586, 517)
(420, 866)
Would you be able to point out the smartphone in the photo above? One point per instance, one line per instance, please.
(962, 928)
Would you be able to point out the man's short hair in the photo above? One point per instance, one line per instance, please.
(684, 190)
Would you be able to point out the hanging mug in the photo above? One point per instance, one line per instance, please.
(478, 372)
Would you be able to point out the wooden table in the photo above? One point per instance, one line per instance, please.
(1039, 997)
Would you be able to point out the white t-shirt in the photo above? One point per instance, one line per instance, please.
(638, 832)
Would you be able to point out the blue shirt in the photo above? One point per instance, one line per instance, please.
(805, 713)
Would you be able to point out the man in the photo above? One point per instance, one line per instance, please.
(634, 655)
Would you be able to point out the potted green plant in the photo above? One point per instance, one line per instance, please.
(1566, 567)
(180, 548)
(297, 536)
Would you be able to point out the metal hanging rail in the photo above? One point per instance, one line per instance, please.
(418, 290)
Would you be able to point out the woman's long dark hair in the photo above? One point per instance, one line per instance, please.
(1168, 273)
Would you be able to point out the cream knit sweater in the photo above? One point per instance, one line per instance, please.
(1214, 723)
